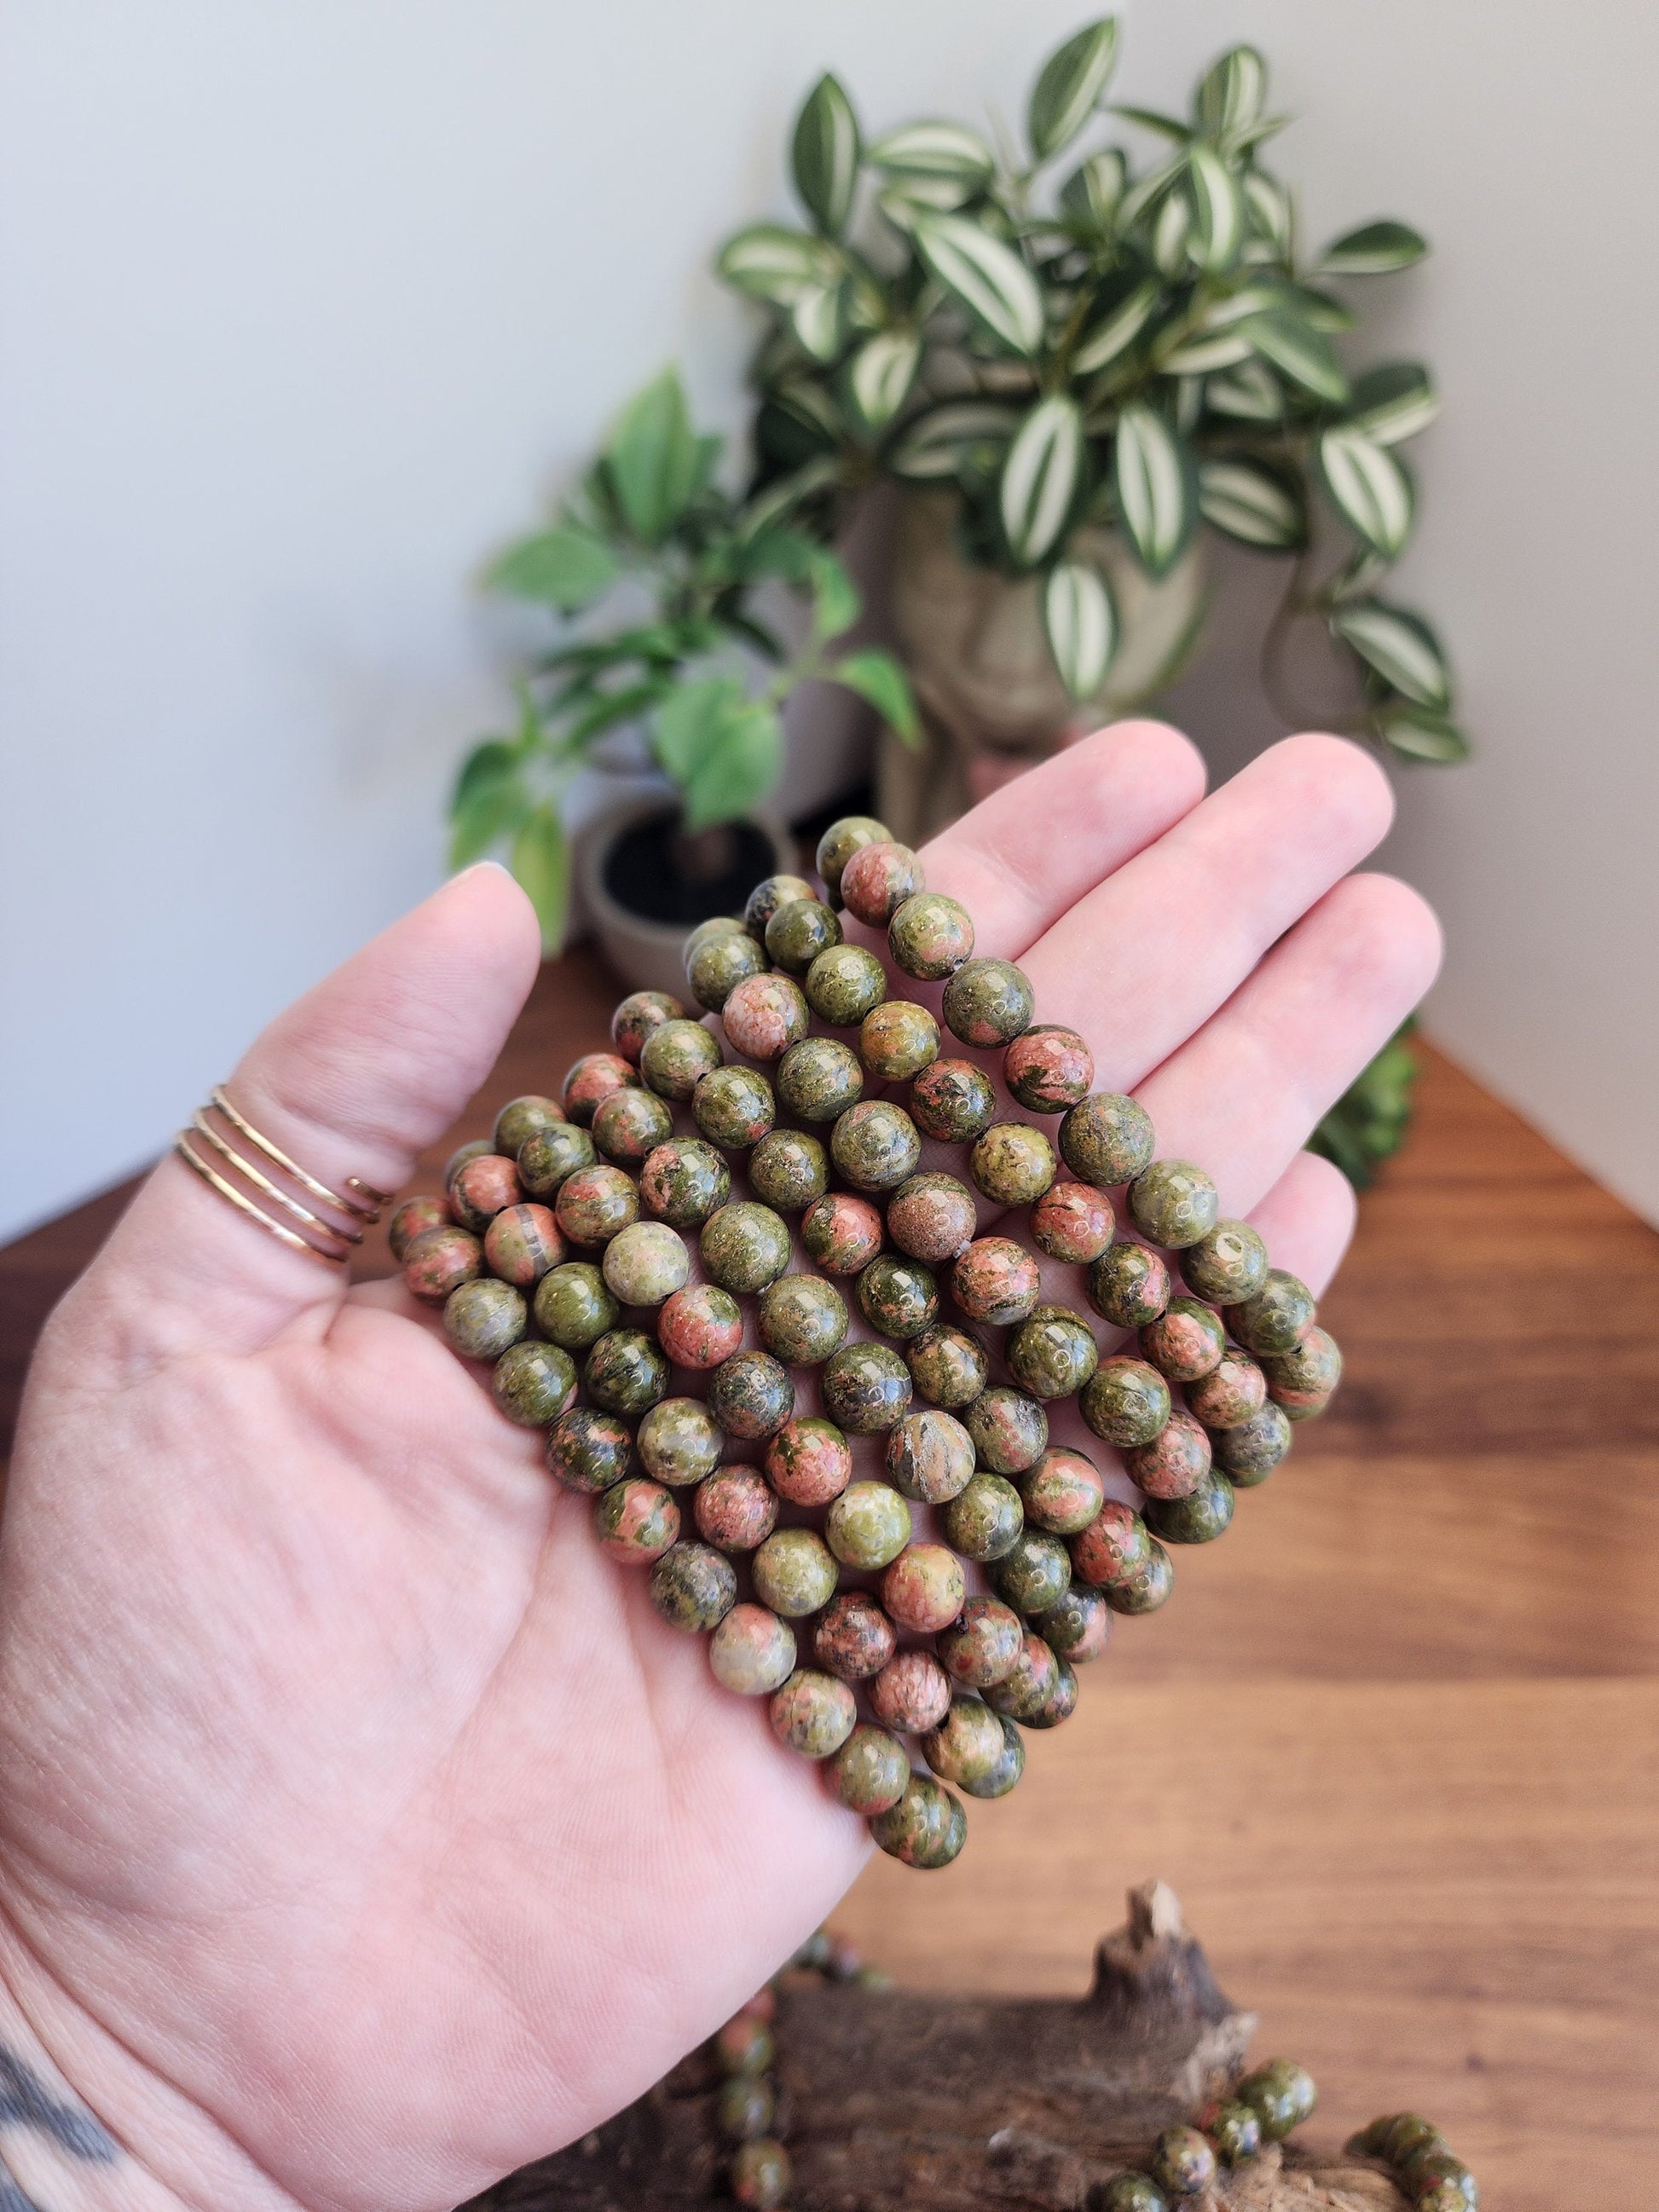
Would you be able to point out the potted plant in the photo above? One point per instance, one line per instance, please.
(665, 660)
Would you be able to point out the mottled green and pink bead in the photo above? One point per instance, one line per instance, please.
(574, 1307)
(953, 1101)
(636, 1521)
(683, 1182)
(947, 1366)
(842, 1233)
(1049, 1069)
(764, 1016)
(988, 1002)
(629, 1124)
(930, 936)
(636, 1017)
(996, 1280)
(676, 1057)
(875, 1144)
(809, 1461)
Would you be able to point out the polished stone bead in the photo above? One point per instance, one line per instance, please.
(764, 1016)
(625, 1371)
(1049, 1069)
(802, 1319)
(573, 1308)
(1012, 1164)
(924, 1588)
(866, 1388)
(694, 1587)
(1005, 1775)
(645, 1263)
(1430, 2174)
(1072, 1222)
(744, 1246)
(930, 936)
(841, 840)
(953, 1101)
(809, 1461)
(630, 1125)
(412, 1219)
(595, 1203)
(1063, 1493)
(679, 1441)
(483, 1318)
(898, 1296)
(750, 1396)
(912, 1694)
(684, 1182)
(718, 966)
(1125, 1402)
(1233, 1393)
(1034, 1679)
(483, 1187)
(587, 1450)
(1009, 1428)
(1133, 2192)
(897, 1039)
(1052, 1353)
(1106, 1139)
(926, 1828)
(1182, 2163)
(744, 2048)
(1114, 1546)
(439, 1260)
(1146, 1589)
(867, 1525)
(1079, 1627)
(1282, 2094)
(996, 1280)
(1198, 1515)
(718, 925)
(1061, 1701)
(842, 1233)
(799, 932)
(734, 1107)
(550, 1155)
(870, 1771)
(795, 1572)
(1186, 1341)
(932, 1218)
(746, 2108)
(638, 1015)
(520, 1119)
(1228, 1265)
(753, 1653)
(735, 1509)
(1447, 2197)
(875, 1144)
(843, 984)
(947, 1367)
(853, 1638)
(1175, 1462)
(533, 1382)
(930, 1457)
(789, 1170)
(474, 1149)
(1401, 2135)
(982, 1646)
(700, 1326)
(1129, 1285)
(1301, 1381)
(1250, 1452)
(592, 1077)
(767, 895)
(967, 1743)
(877, 879)
(1275, 1321)
(636, 1521)
(985, 1520)
(818, 1078)
(1235, 2132)
(521, 1243)
(812, 1714)
(676, 1057)
(1174, 1203)
(1034, 1573)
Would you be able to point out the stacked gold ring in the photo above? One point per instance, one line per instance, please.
(329, 1241)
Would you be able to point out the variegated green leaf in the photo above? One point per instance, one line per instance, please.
(882, 371)
(1228, 308)
(1117, 330)
(1170, 231)
(1091, 193)
(906, 202)
(1304, 354)
(1368, 487)
(1401, 646)
(1320, 310)
(1040, 479)
(1217, 227)
(1394, 402)
(1252, 504)
(1143, 198)
(1203, 356)
(1080, 618)
(1152, 475)
(935, 443)
(818, 321)
(1374, 250)
(826, 156)
(1153, 119)
(935, 150)
(1067, 91)
(1230, 93)
(1270, 212)
(770, 263)
(986, 277)
(1249, 393)
(805, 398)
(787, 496)
(1416, 734)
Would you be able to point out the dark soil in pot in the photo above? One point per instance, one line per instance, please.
(656, 871)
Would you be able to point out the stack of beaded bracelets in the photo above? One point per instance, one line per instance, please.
(606, 1172)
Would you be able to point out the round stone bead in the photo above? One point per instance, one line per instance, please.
(1106, 1139)
(926, 1828)
(1134, 2192)
(750, 1396)
(843, 984)
(1114, 1546)
(1072, 1222)
(520, 1119)
(897, 1039)
(636, 1018)
(809, 1461)
(693, 1587)
(789, 1170)
(842, 1233)
(752, 1651)
(1235, 2132)
(1125, 1402)
(841, 840)
(912, 1694)
(982, 1647)
(996, 1280)
(684, 1182)
(930, 936)
(1034, 1679)
(1186, 1340)
(1129, 1285)
(521, 1243)
(439, 1260)
(592, 1077)
(595, 1204)
(1282, 2095)
(645, 1263)
(767, 895)
(1034, 1573)
(795, 1572)
(802, 1319)
(630, 1125)
(867, 1525)
(1228, 1265)
(1301, 1381)
(1198, 1516)
(930, 1457)
(1147, 1587)
(734, 1107)
(533, 1382)
(677, 1056)
(1427, 2171)
(1275, 1321)
(678, 1441)
(1175, 1462)
(635, 1522)
(412, 1219)
(818, 1078)
(1182, 2162)
(720, 963)
(1231, 1394)
(551, 1155)
(1401, 2135)
(898, 1296)
(866, 1388)
(473, 1150)
(1012, 1164)
(1049, 1069)
(1054, 1353)
(1009, 1428)
(985, 1520)
(483, 1187)
(483, 1318)
(1174, 1203)
(947, 1367)
(877, 879)
(799, 932)
(853, 1639)
(573, 1308)
(812, 1714)
(735, 1509)
(1250, 1452)
(764, 1016)
(587, 1450)
(744, 1246)
(747, 2108)
(625, 1372)
(924, 1588)
(1063, 1493)
(967, 1744)
(932, 1218)
(988, 1002)
(718, 925)
(1446, 2197)
(875, 1144)
(744, 2047)
(871, 1771)
(953, 1101)
(700, 1326)
(1079, 1627)
(1061, 1701)
(1007, 1772)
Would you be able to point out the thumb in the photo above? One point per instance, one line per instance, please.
(353, 1080)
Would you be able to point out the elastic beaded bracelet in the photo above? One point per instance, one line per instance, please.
(561, 1253)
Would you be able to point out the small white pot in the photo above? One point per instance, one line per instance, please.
(645, 953)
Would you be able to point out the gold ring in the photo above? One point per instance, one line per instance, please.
(330, 1242)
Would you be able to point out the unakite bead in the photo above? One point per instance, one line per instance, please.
(1186, 1340)
(1129, 1285)
(1054, 1353)
(968, 1742)
(867, 1525)
(1003, 1777)
(1146, 1589)
(1125, 1402)
(1112, 1547)
(483, 1318)
(1174, 1203)
(842, 1233)
(764, 1016)
(625, 1371)
(750, 1396)
(809, 1461)
(1275, 1321)
(1235, 2132)
(546, 1158)
(982, 1646)
(926, 1828)
(912, 1694)
(996, 1280)
(635, 1522)
(1063, 1493)
(1134, 2192)
(795, 1572)
(1405, 2133)
(1182, 2162)
(871, 1771)
(637, 1015)
(1023, 1694)
(841, 840)
(924, 1588)
(1231, 1394)
(482, 1188)
(734, 1107)
(1282, 2094)
(930, 1457)
(953, 1101)
(573, 1308)
(1427, 2173)
(735, 1509)
(1449, 2197)
(700, 1326)
(684, 1182)
(1061, 1701)
(1079, 1627)
(947, 1367)
(988, 1002)
(744, 1246)
(1073, 1222)
(789, 1170)
(645, 1263)
(521, 1243)
(592, 1077)
(1198, 1516)
(678, 1441)
(1049, 1068)
(594, 1203)
(866, 1388)
(897, 1039)
(799, 932)
(819, 1079)
(1250, 1452)
(1012, 1164)
(875, 1144)
(802, 1319)
(853, 1639)
(767, 895)
(932, 1218)
(985, 1520)
(718, 966)
(1301, 1381)
(412, 1219)
(1106, 1139)
(930, 936)
(1228, 1265)
(520, 1119)
(718, 925)
(898, 1296)
(1175, 1462)
(812, 1714)
(694, 1587)
(676, 1057)
(746, 2108)
(474, 1149)
(1034, 1573)
(1009, 1428)
(744, 2046)
(877, 879)
(631, 1124)
(533, 1382)
(843, 984)
(752, 1652)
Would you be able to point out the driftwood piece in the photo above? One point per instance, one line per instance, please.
(903, 2102)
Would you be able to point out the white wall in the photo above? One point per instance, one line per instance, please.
(302, 308)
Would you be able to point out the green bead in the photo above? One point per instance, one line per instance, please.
(1174, 1203)
(482, 1188)
(947, 1367)
(1273, 1321)
(898, 1296)
(694, 1587)
(760, 2175)
(1147, 1587)
(982, 1647)
(1186, 1341)
(1126, 1402)
(953, 1101)
(842, 1233)
(750, 1396)
(1199, 1517)
(1230, 1395)
(767, 895)
(482, 1319)
(799, 932)
(1235, 2132)
(684, 1182)
(1449, 2197)
(520, 1119)
(1073, 1222)
(1024, 1694)
(700, 1326)
(930, 936)
(867, 1525)
(678, 1441)
(631, 1124)
(438, 1260)
(1078, 1627)
(802, 1319)
(875, 1144)
(595, 1203)
(988, 1002)
(717, 966)
(592, 1077)
(645, 1263)
(587, 1450)
(841, 840)
(843, 984)
(765, 1015)
(734, 1107)
(930, 1457)
(625, 1371)
(1129, 1285)
(932, 1218)
(1282, 2094)
(413, 1215)
(1427, 2173)
(1005, 1775)
(639, 1013)
(676, 1057)
(1061, 1701)
(548, 1156)
(744, 1246)
(1049, 1068)
(636, 1521)
(1063, 1493)
(789, 1171)
(985, 1520)
(1106, 1139)
(897, 1039)
(926, 1828)
(812, 1714)
(1405, 2133)
(1228, 1265)
(1034, 1573)
(746, 2107)
(1012, 1164)
(996, 1280)
(1053, 1354)
(871, 1771)
(1301, 1381)
(1009, 1428)
(533, 1382)
(877, 879)
(751, 1653)
(718, 925)
(1133, 2192)
(1176, 1461)
(865, 1387)
(1182, 2162)
(475, 1149)
(795, 1572)
(967, 1745)
(819, 1079)
(574, 1307)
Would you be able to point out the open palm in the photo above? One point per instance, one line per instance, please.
(364, 1832)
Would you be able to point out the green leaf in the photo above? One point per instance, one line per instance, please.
(488, 764)
(825, 155)
(1080, 618)
(1393, 401)
(1416, 734)
(935, 150)
(1230, 93)
(1068, 88)
(1401, 646)
(1304, 354)
(788, 495)
(907, 203)
(818, 322)
(837, 602)
(1374, 250)
(1090, 196)
(986, 277)
(1142, 197)
(1203, 356)
(1368, 487)
(772, 264)
(1218, 229)
(1117, 330)
(1152, 120)
(937, 444)
(723, 749)
(1249, 393)
(489, 804)
(653, 458)
(565, 567)
(1170, 234)
(880, 375)
(1253, 504)
(1040, 479)
(877, 677)
(1153, 475)
(1270, 212)
(541, 861)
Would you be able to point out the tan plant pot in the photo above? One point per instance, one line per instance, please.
(645, 953)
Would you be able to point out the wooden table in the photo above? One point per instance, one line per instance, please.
(1396, 1741)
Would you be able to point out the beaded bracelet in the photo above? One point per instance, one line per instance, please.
(611, 1171)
